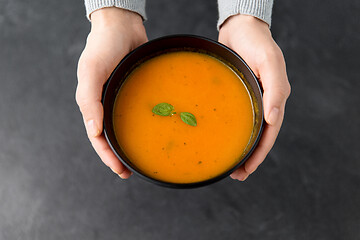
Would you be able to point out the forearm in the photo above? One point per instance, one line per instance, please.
(260, 9)
(137, 6)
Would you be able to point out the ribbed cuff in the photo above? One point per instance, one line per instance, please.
(261, 9)
(137, 6)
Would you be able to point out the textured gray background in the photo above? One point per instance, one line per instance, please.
(53, 186)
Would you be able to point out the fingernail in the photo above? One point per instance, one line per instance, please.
(243, 179)
(252, 171)
(273, 116)
(116, 173)
(92, 128)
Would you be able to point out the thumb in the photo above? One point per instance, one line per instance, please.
(92, 112)
(274, 104)
(88, 97)
(276, 91)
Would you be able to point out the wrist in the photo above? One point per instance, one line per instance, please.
(114, 17)
(243, 20)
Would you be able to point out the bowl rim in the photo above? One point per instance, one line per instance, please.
(107, 129)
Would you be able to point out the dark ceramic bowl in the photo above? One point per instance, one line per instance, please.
(179, 43)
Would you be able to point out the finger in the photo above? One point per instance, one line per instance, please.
(108, 157)
(264, 146)
(125, 174)
(240, 174)
(266, 143)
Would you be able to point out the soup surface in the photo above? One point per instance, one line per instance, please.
(166, 148)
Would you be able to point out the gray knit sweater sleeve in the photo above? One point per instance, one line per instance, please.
(137, 6)
(258, 8)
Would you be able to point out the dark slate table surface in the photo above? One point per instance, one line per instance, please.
(53, 186)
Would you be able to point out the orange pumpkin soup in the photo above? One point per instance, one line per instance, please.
(166, 148)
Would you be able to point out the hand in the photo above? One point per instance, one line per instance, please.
(252, 40)
(114, 33)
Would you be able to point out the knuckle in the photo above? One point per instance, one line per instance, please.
(81, 101)
(284, 91)
(78, 98)
(288, 89)
(83, 65)
(273, 54)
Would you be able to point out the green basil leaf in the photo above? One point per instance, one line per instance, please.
(163, 109)
(188, 118)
